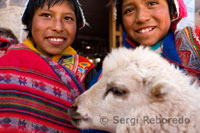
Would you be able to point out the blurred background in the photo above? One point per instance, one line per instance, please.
(102, 34)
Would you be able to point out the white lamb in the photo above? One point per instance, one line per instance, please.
(139, 92)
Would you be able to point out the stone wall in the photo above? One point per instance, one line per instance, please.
(10, 15)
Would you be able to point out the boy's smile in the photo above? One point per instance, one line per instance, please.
(146, 21)
(145, 30)
(56, 40)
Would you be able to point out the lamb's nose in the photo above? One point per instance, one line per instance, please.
(72, 110)
(74, 107)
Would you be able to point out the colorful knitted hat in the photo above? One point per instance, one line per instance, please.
(4, 43)
(181, 11)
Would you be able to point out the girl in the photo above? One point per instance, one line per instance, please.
(153, 23)
(36, 88)
(52, 31)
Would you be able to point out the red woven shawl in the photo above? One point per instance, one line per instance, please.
(35, 93)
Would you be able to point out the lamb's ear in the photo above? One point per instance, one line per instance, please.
(158, 89)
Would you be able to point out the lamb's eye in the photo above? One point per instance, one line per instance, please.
(117, 92)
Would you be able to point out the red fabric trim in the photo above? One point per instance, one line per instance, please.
(197, 32)
(187, 68)
(4, 40)
(83, 59)
(130, 42)
(78, 74)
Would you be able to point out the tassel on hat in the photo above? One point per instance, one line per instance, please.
(181, 11)
(82, 15)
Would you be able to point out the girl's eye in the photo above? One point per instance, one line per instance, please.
(152, 3)
(46, 15)
(128, 10)
(68, 18)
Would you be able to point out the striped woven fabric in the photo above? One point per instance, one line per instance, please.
(35, 93)
(188, 48)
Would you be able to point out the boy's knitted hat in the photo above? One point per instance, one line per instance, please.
(181, 11)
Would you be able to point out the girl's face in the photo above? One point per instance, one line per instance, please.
(146, 21)
(54, 29)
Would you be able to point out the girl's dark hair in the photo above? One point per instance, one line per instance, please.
(171, 6)
(33, 5)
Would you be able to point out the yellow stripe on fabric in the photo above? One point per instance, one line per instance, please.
(190, 37)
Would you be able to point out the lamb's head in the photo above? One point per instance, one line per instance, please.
(131, 79)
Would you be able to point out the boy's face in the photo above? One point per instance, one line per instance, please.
(146, 21)
(54, 29)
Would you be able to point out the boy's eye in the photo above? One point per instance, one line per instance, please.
(128, 10)
(152, 3)
(68, 18)
(46, 15)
